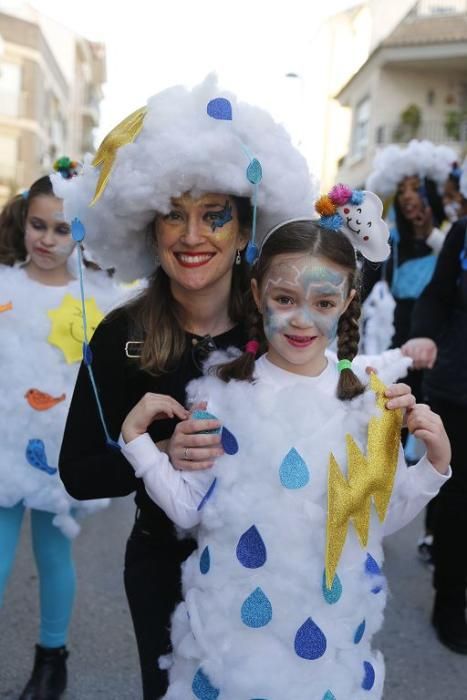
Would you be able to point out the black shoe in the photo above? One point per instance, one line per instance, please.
(48, 679)
(451, 627)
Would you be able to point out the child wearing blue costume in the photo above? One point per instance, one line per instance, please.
(285, 591)
(42, 335)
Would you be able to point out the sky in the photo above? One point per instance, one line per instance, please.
(152, 44)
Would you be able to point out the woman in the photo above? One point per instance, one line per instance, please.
(188, 176)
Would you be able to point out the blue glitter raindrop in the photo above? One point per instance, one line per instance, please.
(205, 561)
(35, 455)
(229, 442)
(369, 677)
(359, 632)
(293, 471)
(220, 108)
(198, 414)
(373, 569)
(254, 172)
(257, 609)
(252, 252)
(332, 595)
(329, 696)
(310, 642)
(202, 687)
(251, 550)
(207, 495)
(78, 232)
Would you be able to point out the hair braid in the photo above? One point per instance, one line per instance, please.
(243, 366)
(348, 337)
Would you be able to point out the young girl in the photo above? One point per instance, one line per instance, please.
(42, 336)
(285, 591)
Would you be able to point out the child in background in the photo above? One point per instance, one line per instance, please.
(42, 336)
(284, 594)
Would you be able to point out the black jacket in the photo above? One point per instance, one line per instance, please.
(441, 314)
(88, 467)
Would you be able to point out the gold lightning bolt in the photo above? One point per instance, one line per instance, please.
(121, 135)
(370, 476)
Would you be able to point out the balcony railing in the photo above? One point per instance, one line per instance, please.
(441, 7)
(452, 130)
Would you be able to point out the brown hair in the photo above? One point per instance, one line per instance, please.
(12, 220)
(309, 238)
(155, 315)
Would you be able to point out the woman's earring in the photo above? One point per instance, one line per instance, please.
(238, 259)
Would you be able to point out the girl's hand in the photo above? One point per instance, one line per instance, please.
(400, 396)
(189, 449)
(148, 409)
(423, 352)
(429, 428)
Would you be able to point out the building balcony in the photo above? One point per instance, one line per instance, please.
(452, 130)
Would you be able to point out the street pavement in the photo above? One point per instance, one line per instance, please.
(103, 661)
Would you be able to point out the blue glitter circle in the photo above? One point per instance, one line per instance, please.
(220, 108)
(359, 632)
(205, 561)
(333, 594)
(202, 687)
(310, 642)
(251, 550)
(369, 677)
(256, 610)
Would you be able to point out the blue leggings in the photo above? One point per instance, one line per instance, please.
(57, 579)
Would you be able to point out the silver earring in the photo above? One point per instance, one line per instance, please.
(238, 259)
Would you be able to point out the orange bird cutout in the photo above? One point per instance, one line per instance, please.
(40, 401)
(6, 307)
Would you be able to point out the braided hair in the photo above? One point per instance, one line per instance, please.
(308, 238)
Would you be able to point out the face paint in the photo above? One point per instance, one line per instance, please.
(64, 250)
(223, 217)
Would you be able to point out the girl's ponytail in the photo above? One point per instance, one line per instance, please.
(348, 337)
(12, 218)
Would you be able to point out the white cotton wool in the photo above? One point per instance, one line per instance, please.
(182, 149)
(30, 362)
(243, 661)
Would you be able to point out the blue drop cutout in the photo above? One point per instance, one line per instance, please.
(202, 687)
(293, 471)
(329, 696)
(36, 457)
(372, 567)
(205, 561)
(220, 108)
(359, 632)
(254, 172)
(251, 550)
(256, 610)
(310, 642)
(207, 495)
(252, 252)
(369, 677)
(198, 414)
(78, 232)
(333, 594)
(229, 442)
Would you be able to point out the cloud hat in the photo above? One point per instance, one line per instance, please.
(174, 146)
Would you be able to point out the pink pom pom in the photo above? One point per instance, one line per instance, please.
(340, 194)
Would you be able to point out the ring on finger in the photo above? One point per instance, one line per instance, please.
(185, 454)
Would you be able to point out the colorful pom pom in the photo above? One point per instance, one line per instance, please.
(334, 223)
(325, 206)
(340, 194)
(357, 197)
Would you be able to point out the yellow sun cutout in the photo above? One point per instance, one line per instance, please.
(67, 331)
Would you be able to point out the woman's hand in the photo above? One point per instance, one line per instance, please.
(149, 408)
(422, 351)
(429, 428)
(191, 447)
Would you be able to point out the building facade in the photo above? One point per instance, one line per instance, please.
(50, 89)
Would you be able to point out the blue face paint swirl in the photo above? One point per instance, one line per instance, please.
(225, 215)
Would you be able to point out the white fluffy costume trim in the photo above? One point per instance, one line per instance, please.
(423, 158)
(257, 620)
(182, 149)
(36, 381)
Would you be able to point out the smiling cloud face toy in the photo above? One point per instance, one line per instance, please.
(358, 215)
